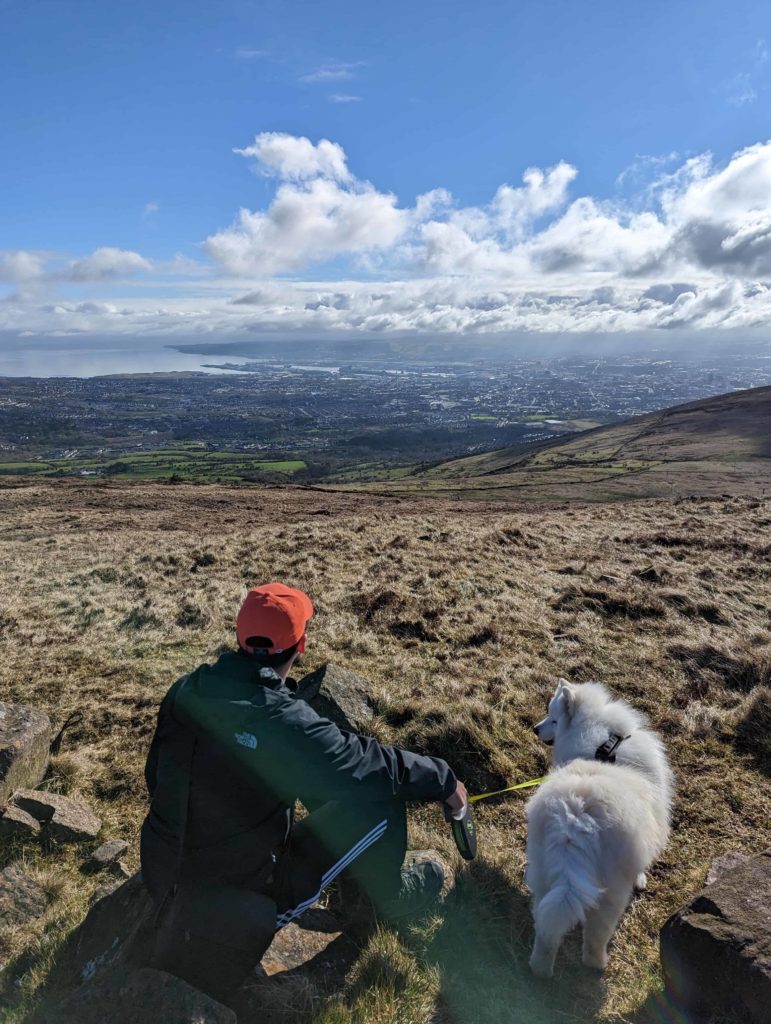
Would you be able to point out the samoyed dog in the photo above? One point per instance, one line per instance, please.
(598, 821)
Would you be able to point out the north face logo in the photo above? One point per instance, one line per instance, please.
(246, 739)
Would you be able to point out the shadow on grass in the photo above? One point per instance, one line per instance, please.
(753, 730)
(477, 960)
(658, 1008)
(483, 947)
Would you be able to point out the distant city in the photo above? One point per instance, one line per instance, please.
(336, 419)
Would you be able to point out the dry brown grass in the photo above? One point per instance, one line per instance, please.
(462, 615)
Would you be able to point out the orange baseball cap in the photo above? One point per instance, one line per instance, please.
(277, 612)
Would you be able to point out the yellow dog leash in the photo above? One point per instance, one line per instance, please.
(508, 789)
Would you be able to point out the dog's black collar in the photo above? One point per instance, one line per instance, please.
(607, 750)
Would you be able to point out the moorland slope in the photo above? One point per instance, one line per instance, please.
(461, 614)
(714, 446)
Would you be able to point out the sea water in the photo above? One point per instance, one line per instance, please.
(89, 357)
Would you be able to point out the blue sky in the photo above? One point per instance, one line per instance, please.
(121, 121)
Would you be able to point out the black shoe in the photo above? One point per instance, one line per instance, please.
(422, 883)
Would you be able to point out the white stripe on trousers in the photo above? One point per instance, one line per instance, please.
(363, 844)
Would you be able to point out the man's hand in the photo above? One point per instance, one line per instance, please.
(458, 799)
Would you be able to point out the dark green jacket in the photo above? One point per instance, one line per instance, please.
(233, 750)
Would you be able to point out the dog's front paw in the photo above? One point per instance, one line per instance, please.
(597, 960)
(641, 882)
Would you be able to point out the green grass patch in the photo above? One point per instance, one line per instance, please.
(187, 464)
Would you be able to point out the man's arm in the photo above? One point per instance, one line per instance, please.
(336, 764)
(299, 754)
(151, 765)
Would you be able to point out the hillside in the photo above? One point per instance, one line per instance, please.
(462, 614)
(715, 446)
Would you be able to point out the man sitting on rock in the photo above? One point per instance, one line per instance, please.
(233, 750)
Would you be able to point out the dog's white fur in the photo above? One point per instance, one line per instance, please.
(594, 828)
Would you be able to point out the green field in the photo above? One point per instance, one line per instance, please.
(176, 463)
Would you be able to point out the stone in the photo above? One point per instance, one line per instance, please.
(65, 819)
(650, 574)
(21, 897)
(25, 740)
(723, 864)
(116, 931)
(340, 695)
(17, 823)
(130, 995)
(716, 951)
(105, 888)
(105, 855)
(299, 942)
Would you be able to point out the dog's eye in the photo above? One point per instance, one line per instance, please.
(554, 721)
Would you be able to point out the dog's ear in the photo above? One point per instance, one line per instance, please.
(568, 697)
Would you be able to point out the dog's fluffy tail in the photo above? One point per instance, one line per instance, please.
(572, 852)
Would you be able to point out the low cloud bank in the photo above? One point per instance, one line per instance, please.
(693, 250)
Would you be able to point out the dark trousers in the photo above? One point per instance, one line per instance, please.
(213, 935)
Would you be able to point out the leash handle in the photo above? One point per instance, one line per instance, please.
(463, 830)
(462, 823)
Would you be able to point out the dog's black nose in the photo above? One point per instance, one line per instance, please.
(535, 729)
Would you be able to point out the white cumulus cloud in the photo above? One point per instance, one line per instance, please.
(691, 251)
(308, 224)
(106, 263)
(297, 158)
(20, 266)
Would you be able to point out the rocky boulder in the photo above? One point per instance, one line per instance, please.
(65, 819)
(296, 945)
(115, 932)
(17, 823)
(723, 864)
(21, 897)
(716, 951)
(107, 855)
(126, 995)
(340, 695)
(25, 738)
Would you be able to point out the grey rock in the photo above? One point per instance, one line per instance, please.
(298, 943)
(116, 931)
(105, 855)
(716, 951)
(105, 888)
(25, 738)
(21, 897)
(723, 864)
(120, 869)
(340, 695)
(17, 823)
(65, 819)
(127, 995)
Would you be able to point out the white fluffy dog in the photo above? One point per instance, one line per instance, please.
(598, 821)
